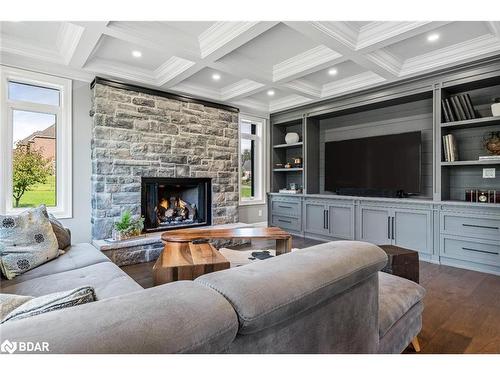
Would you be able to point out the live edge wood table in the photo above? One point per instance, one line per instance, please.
(402, 262)
(188, 254)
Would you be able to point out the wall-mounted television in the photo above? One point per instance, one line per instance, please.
(388, 165)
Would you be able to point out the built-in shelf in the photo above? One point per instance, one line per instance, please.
(469, 162)
(483, 121)
(286, 145)
(288, 169)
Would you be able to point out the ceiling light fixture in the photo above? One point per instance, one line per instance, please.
(216, 76)
(432, 37)
(332, 71)
(136, 53)
(270, 92)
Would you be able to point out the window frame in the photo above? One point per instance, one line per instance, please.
(63, 113)
(259, 144)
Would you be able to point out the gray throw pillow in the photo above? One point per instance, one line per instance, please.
(26, 241)
(63, 234)
(9, 302)
(51, 302)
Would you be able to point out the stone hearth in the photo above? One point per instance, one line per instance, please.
(137, 135)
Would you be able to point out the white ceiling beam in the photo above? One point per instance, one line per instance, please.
(92, 32)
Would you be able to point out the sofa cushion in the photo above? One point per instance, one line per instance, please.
(26, 241)
(271, 291)
(107, 279)
(51, 302)
(10, 302)
(63, 235)
(77, 256)
(396, 297)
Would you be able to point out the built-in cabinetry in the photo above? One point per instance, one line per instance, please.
(440, 224)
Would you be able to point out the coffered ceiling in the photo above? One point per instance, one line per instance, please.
(257, 66)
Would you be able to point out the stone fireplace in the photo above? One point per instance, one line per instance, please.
(139, 134)
(175, 203)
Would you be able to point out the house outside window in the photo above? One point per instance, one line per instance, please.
(35, 142)
(251, 166)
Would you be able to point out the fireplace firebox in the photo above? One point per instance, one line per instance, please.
(173, 203)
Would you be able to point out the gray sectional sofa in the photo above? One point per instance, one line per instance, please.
(329, 298)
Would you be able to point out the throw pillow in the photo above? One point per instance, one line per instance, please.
(62, 234)
(51, 302)
(26, 241)
(9, 302)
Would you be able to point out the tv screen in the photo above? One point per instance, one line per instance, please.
(387, 163)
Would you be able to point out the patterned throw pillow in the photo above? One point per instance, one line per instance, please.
(9, 302)
(51, 302)
(26, 241)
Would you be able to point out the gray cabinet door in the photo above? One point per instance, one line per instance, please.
(341, 222)
(315, 218)
(374, 225)
(412, 230)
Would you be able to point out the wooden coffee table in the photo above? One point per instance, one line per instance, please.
(188, 254)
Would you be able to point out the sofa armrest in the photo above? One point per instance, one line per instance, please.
(181, 317)
(269, 292)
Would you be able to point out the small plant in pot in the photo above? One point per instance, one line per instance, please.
(128, 226)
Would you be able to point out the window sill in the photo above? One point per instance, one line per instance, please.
(252, 203)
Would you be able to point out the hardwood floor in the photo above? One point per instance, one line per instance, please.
(462, 307)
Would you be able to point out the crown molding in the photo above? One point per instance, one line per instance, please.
(67, 40)
(123, 71)
(339, 31)
(221, 33)
(376, 32)
(303, 63)
(470, 49)
(304, 87)
(171, 69)
(18, 47)
(287, 102)
(240, 88)
(192, 89)
(251, 105)
(386, 60)
(349, 84)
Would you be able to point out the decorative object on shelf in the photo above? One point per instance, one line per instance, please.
(297, 162)
(482, 196)
(288, 165)
(278, 165)
(127, 226)
(291, 138)
(492, 142)
(495, 107)
(450, 148)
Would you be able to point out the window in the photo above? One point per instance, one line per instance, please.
(251, 171)
(35, 142)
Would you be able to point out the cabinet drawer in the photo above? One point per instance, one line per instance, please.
(479, 227)
(480, 251)
(285, 208)
(284, 222)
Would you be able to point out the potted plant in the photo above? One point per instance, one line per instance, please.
(128, 226)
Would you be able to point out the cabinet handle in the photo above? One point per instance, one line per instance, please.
(324, 219)
(479, 251)
(285, 221)
(388, 227)
(479, 226)
(327, 219)
(392, 227)
(281, 206)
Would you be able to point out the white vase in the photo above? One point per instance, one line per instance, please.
(291, 138)
(495, 109)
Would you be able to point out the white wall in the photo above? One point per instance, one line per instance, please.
(80, 223)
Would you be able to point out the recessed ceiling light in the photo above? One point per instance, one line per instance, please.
(136, 53)
(270, 92)
(332, 71)
(432, 37)
(216, 76)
